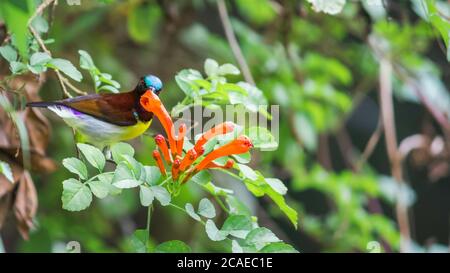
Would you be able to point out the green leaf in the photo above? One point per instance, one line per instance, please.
(259, 237)
(99, 188)
(252, 100)
(243, 158)
(17, 67)
(258, 11)
(277, 185)
(236, 206)
(442, 25)
(16, 15)
(247, 172)
(209, 145)
(107, 178)
(40, 24)
(213, 232)
(202, 178)
(260, 187)
(235, 247)
(136, 167)
(76, 196)
(238, 225)
(162, 195)
(152, 175)
(332, 7)
(215, 190)
(305, 129)
(146, 196)
(93, 155)
(262, 138)
(37, 69)
(9, 53)
(173, 246)
(228, 69)
(142, 21)
(183, 80)
(281, 203)
(124, 177)
(191, 212)
(206, 208)
(66, 67)
(211, 67)
(139, 241)
(127, 183)
(109, 88)
(86, 61)
(5, 169)
(39, 58)
(118, 150)
(278, 247)
(76, 166)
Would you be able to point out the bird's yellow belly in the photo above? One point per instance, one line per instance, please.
(107, 134)
(135, 130)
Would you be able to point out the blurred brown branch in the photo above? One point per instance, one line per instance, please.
(231, 37)
(388, 119)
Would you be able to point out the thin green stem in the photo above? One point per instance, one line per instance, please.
(231, 174)
(183, 210)
(92, 178)
(149, 218)
(177, 207)
(165, 180)
(221, 204)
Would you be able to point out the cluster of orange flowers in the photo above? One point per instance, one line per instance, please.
(184, 167)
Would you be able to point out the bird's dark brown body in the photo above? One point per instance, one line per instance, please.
(121, 109)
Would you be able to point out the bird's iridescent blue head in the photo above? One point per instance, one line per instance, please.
(149, 82)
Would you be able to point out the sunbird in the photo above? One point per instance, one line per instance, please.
(104, 119)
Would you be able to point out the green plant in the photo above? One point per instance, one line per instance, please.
(240, 231)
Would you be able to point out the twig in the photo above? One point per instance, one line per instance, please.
(62, 80)
(44, 48)
(387, 113)
(74, 88)
(229, 33)
(437, 115)
(323, 152)
(370, 146)
(346, 147)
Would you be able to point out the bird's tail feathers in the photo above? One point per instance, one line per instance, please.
(43, 104)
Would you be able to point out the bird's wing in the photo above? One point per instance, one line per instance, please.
(117, 109)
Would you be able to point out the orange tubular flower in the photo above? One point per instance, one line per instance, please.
(162, 144)
(190, 157)
(220, 129)
(180, 139)
(152, 103)
(240, 145)
(176, 169)
(228, 165)
(157, 157)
